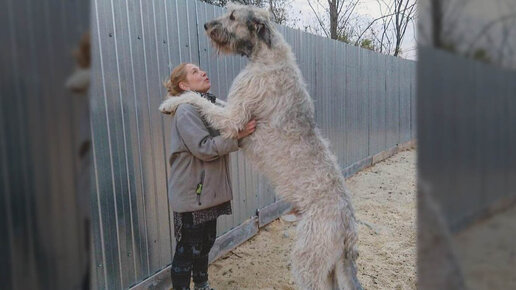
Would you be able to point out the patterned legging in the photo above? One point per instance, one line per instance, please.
(191, 256)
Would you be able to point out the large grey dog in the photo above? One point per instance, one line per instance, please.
(286, 146)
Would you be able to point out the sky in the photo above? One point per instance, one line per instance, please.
(368, 9)
(477, 24)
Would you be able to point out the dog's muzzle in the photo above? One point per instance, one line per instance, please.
(210, 24)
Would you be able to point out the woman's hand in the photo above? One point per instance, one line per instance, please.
(248, 130)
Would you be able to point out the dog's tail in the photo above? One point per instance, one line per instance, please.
(345, 275)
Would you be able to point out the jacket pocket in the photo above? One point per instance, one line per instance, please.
(198, 190)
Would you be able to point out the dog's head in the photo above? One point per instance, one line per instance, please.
(241, 30)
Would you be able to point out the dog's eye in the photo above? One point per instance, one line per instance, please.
(232, 17)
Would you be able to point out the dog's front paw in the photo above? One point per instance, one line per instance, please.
(170, 105)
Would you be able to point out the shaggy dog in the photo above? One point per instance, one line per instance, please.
(286, 146)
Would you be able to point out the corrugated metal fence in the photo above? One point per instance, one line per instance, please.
(364, 104)
(43, 223)
(466, 135)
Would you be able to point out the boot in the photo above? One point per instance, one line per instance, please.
(203, 286)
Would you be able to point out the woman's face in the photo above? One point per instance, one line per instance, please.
(196, 80)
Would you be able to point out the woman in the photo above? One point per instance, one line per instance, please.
(199, 185)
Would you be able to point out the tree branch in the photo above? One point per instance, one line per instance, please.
(372, 22)
(486, 28)
(318, 19)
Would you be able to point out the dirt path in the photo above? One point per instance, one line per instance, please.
(384, 198)
(487, 252)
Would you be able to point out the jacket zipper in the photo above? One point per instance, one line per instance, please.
(198, 191)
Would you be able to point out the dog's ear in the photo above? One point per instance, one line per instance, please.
(260, 24)
(264, 33)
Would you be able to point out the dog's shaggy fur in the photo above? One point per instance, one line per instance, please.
(286, 146)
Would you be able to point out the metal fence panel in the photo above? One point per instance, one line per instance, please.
(107, 182)
(465, 111)
(404, 103)
(363, 104)
(339, 104)
(378, 110)
(350, 109)
(125, 95)
(40, 124)
(137, 123)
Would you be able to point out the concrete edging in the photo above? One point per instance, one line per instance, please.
(271, 212)
(489, 211)
(378, 157)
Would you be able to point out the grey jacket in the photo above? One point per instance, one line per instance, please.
(199, 156)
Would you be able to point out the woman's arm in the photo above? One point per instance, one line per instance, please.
(197, 138)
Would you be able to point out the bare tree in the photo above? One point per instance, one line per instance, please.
(403, 13)
(437, 13)
(320, 19)
(440, 26)
(484, 31)
(395, 20)
(278, 9)
(357, 40)
(384, 40)
(340, 13)
(454, 26)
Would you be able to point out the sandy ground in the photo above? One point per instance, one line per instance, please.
(384, 197)
(487, 252)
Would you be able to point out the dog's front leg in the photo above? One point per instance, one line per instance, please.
(229, 120)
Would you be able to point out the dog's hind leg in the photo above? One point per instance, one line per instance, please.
(345, 275)
(310, 270)
(313, 256)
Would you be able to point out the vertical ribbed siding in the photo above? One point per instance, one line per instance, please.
(42, 124)
(362, 101)
(466, 114)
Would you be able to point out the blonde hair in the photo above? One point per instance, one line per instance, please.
(82, 53)
(178, 75)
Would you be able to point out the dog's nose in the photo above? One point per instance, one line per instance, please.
(205, 26)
